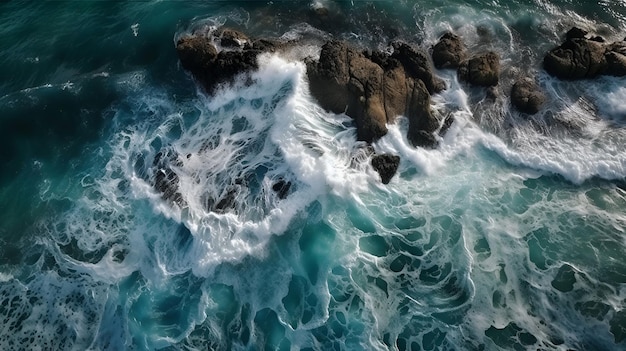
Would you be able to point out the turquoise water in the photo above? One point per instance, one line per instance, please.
(509, 236)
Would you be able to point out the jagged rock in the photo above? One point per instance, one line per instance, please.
(196, 53)
(447, 123)
(417, 66)
(575, 33)
(577, 58)
(482, 69)
(344, 80)
(386, 165)
(527, 97)
(581, 58)
(372, 88)
(422, 123)
(230, 38)
(449, 52)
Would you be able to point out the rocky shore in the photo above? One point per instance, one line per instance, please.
(375, 87)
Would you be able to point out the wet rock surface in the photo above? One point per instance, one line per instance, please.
(527, 97)
(583, 57)
(386, 165)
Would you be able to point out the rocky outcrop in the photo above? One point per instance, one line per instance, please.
(196, 53)
(199, 55)
(371, 87)
(386, 165)
(527, 97)
(580, 57)
(374, 88)
(417, 66)
(482, 69)
(449, 51)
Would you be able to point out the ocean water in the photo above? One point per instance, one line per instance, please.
(509, 236)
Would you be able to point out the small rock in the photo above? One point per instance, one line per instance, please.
(482, 69)
(527, 97)
(386, 165)
(449, 52)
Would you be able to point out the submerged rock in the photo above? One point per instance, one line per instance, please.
(386, 165)
(449, 52)
(527, 97)
(281, 188)
(166, 180)
(580, 58)
(482, 69)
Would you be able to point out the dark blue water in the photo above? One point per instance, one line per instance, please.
(509, 236)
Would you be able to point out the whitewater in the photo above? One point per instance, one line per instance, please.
(511, 234)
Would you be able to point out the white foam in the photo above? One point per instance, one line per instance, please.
(246, 137)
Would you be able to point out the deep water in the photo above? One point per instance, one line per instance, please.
(511, 235)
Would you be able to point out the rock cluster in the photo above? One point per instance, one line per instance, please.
(581, 57)
(374, 87)
(199, 55)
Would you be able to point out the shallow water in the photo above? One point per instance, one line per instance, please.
(510, 235)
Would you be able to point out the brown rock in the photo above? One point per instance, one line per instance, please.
(449, 52)
(230, 38)
(395, 93)
(527, 97)
(417, 66)
(577, 58)
(196, 53)
(482, 69)
(616, 59)
(373, 89)
(422, 123)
